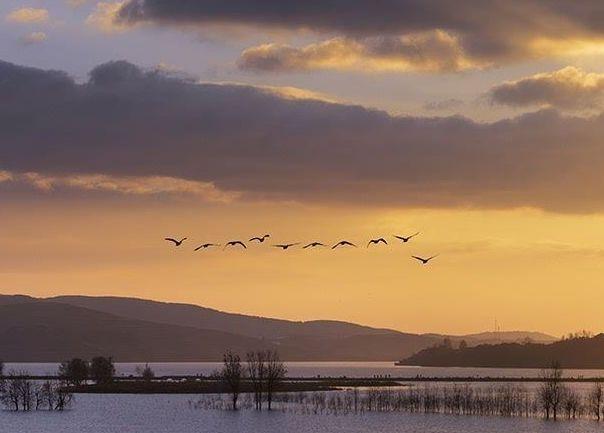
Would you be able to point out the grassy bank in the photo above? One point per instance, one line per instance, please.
(206, 386)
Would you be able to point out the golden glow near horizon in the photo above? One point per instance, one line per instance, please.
(522, 267)
(215, 125)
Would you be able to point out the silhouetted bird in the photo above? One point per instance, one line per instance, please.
(406, 238)
(260, 238)
(424, 261)
(313, 244)
(377, 241)
(342, 244)
(233, 243)
(206, 246)
(177, 243)
(285, 246)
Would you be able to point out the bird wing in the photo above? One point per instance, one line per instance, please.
(199, 247)
(383, 240)
(255, 239)
(240, 243)
(418, 258)
(171, 240)
(399, 237)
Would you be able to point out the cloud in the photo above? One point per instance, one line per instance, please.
(103, 17)
(136, 185)
(5, 176)
(34, 38)
(76, 3)
(433, 52)
(127, 122)
(569, 88)
(285, 92)
(28, 15)
(487, 32)
(444, 105)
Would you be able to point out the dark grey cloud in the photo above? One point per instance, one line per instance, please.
(569, 88)
(488, 30)
(129, 122)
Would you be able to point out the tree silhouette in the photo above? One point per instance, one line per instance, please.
(232, 374)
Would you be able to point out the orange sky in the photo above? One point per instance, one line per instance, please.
(527, 269)
(125, 122)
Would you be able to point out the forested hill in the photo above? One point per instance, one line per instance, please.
(585, 352)
(34, 329)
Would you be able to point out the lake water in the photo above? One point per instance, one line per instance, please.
(173, 414)
(313, 369)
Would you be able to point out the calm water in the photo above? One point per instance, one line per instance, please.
(312, 369)
(172, 414)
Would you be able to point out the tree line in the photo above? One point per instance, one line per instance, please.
(18, 392)
(263, 371)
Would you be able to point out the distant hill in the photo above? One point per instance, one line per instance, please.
(207, 318)
(48, 331)
(268, 328)
(573, 353)
(140, 330)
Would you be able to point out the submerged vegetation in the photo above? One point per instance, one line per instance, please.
(510, 400)
(552, 399)
(18, 393)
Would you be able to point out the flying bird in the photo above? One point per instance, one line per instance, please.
(342, 244)
(313, 244)
(260, 238)
(234, 243)
(377, 241)
(177, 243)
(206, 246)
(285, 246)
(406, 238)
(424, 261)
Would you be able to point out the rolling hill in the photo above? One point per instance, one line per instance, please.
(48, 331)
(52, 329)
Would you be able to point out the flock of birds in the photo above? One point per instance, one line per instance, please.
(343, 243)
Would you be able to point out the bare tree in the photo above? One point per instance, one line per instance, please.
(572, 403)
(17, 392)
(232, 374)
(256, 370)
(11, 398)
(146, 373)
(275, 373)
(595, 400)
(552, 391)
(20, 393)
(63, 396)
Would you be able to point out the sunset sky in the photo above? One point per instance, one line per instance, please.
(477, 123)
